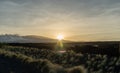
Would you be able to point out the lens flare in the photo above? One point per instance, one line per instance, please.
(60, 37)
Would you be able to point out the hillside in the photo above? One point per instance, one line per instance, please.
(25, 39)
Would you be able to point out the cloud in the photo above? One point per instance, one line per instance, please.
(77, 16)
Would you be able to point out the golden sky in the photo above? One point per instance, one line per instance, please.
(78, 20)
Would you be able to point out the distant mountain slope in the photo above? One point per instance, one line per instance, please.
(25, 39)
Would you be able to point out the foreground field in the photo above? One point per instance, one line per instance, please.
(33, 60)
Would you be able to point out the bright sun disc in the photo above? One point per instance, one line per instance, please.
(60, 37)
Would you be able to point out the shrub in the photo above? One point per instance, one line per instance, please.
(77, 69)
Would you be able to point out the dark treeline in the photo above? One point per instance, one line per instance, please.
(48, 46)
(111, 49)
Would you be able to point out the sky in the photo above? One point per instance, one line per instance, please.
(77, 20)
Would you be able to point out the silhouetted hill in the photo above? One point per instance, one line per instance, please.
(26, 39)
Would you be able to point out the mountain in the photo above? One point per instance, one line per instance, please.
(25, 39)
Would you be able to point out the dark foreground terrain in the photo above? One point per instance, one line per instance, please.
(23, 59)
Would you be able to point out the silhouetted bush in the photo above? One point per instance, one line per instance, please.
(77, 69)
(33, 60)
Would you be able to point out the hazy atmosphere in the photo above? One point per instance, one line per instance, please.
(78, 20)
(59, 36)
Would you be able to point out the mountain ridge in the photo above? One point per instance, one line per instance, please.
(15, 38)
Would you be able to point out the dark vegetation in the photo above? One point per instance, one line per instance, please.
(26, 59)
(109, 49)
(104, 48)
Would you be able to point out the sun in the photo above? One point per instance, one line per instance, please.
(60, 37)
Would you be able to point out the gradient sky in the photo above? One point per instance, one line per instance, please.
(79, 20)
